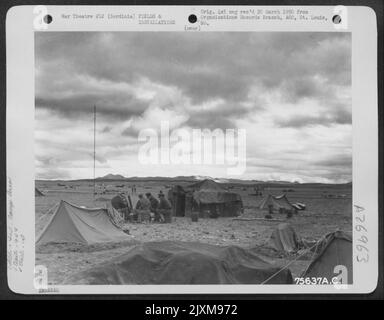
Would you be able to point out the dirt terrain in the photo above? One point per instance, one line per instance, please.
(322, 215)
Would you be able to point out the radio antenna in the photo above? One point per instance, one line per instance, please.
(94, 150)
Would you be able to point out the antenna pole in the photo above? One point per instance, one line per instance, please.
(94, 150)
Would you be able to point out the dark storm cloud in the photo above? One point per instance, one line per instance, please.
(209, 120)
(344, 161)
(45, 161)
(110, 105)
(205, 65)
(51, 173)
(337, 167)
(130, 132)
(199, 64)
(99, 158)
(331, 117)
(222, 116)
(307, 87)
(342, 116)
(106, 129)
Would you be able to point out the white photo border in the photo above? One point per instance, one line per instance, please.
(20, 30)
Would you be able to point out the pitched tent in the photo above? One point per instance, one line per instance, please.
(277, 202)
(205, 196)
(335, 249)
(38, 193)
(284, 238)
(206, 185)
(210, 192)
(176, 262)
(74, 224)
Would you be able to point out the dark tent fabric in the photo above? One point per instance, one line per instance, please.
(277, 202)
(209, 191)
(175, 191)
(205, 196)
(209, 196)
(335, 249)
(178, 197)
(74, 224)
(119, 202)
(38, 193)
(176, 262)
(284, 238)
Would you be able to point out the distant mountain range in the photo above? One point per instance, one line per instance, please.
(112, 177)
(117, 177)
(179, 178)
(191, 179)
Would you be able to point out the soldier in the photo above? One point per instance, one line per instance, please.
(143, 209)
(120, 204)
(154, 205)
(165, 209)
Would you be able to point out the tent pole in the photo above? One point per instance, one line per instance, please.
(94, 150)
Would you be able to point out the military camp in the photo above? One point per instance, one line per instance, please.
(187, 158)
(89, 231)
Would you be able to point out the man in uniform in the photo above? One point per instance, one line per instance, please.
(165, 208)
(120, 204)
(142, 209)
(154, 205)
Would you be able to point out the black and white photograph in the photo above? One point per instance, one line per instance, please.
(192, 150)
(176, 158)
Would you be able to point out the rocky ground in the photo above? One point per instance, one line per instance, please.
(322, 216)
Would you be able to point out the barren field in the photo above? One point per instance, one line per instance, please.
(322, 215)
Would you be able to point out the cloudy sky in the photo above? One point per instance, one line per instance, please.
(290, 91)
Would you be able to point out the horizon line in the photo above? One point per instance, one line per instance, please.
(229, 180)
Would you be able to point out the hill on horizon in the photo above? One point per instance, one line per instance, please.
(119, 177)
(111, 176)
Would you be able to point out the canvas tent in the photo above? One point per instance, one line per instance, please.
(206, 184)
(284, 238)
(206, 197)
(38, 193)
(335, 249)
(177, 262)
(74, 224)
(277, 202)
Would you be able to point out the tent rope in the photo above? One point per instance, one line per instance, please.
(49, 211)
(287, 265)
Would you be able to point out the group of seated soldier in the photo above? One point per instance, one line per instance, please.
(148, 208)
